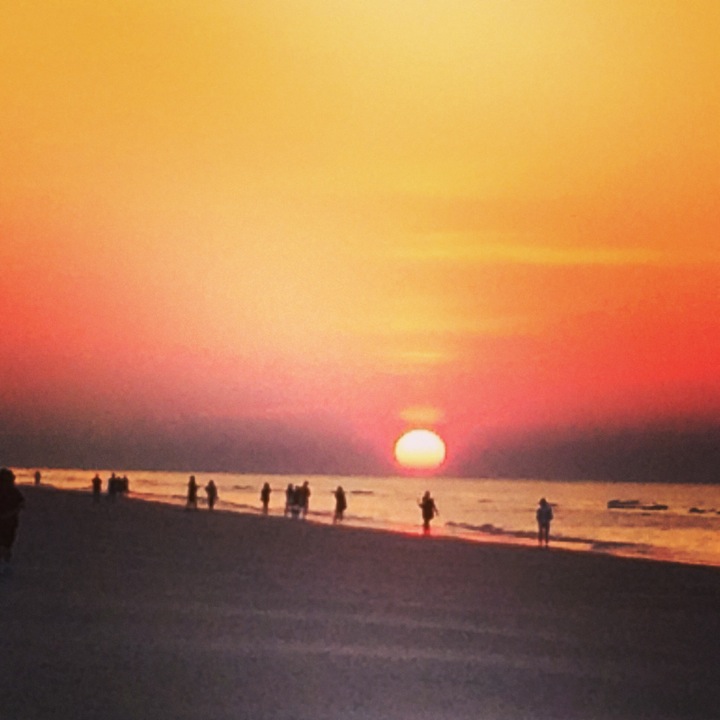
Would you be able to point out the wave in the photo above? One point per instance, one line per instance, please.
(610, 545)
(237, 505)
(593, 545)
(243, 488)
(490, 529)
(160, 497)
(362, 492)
(361, 518)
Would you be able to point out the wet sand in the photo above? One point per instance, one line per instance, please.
(136, 610)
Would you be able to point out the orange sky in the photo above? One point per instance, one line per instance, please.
(462, 214)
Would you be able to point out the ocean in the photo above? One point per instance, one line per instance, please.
(665, 522)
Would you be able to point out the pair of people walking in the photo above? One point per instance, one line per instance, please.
(297, 500)
(211, 492)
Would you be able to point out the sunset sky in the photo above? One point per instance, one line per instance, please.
(339, 220)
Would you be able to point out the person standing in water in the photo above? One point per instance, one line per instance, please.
(38, 477)
(340, 504)
(265, 497)
(212, 494)
(429, 510)
(544, 516)
(11, 503)
(192, 494)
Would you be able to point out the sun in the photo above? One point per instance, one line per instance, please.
(420, 450)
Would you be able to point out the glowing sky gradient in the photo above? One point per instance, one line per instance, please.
(458, 214)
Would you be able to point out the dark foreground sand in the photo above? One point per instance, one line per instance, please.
(136, 610)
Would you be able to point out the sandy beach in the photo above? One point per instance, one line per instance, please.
(138, 610)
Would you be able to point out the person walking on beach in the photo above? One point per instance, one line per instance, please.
(544, 517)
(304, 499)
(96, 488)
(212, 494)
(112, 486)
(265, 497)
(289, 499)
(429, 510)
(11, 503)
(192, 490)
(297, 501)
(340, 504)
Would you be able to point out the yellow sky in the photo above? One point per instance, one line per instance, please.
(329, 194)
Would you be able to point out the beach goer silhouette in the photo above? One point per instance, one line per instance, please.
(544, 516)
(289, 499)
(298, 500)
(429, 510)
(265, 497)
(192, 490)
(11, 503)
(212, 494)
(96, 488)
(340, 504)
(38, 477)
(304, 499)
(112, 486)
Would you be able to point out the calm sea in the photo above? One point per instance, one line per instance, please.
(669, 522)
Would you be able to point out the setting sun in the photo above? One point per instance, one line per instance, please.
(420, 450)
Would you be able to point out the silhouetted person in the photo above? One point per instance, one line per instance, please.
(289, 499)
(212, 494)
(96, 488)
(112, 486)
(544, 517)
(192, 491)
(297, 502)
(340, 504)
(265, 497)
(123, 485)
(38, 477)
(429, 510)
(304, 499)
(11, 503)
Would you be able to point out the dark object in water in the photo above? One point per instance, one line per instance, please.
(623, 504)
(633, 505)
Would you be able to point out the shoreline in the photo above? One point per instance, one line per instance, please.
(138, 609)
(324, 518)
